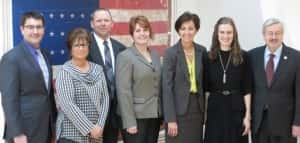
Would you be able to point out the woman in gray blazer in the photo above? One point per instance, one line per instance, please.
(138, 77)
(82, 94)
(183, 99)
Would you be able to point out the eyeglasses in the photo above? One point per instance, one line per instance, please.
(32, 27)
(270, 33)
(80, 45)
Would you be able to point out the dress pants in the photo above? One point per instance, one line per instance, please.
(148, 131)
(264, 135)
(112, 124)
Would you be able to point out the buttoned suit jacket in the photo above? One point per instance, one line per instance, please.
(28, 104)
(138, 86)
(176, 81)
(282, 98)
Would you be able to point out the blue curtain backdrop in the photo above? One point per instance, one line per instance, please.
(61, 16)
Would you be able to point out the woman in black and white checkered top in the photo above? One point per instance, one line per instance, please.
(82, 94)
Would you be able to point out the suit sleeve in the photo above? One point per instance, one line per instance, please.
(104, 105)
(124, 71)
(297, 93)
(247, 75)
(168, 73)
(65, 97)
(9, 84)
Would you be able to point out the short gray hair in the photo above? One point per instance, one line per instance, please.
(272, 21)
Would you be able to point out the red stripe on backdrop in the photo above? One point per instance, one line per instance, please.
(121, 28)
(160, 49)
(134, 4)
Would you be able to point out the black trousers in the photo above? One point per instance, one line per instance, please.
(112, 124)
(264, 135)
(148, 131)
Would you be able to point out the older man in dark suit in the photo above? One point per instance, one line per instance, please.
(104, 51)
(276, 97)
(25, 83)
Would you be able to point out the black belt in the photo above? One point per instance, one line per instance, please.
(224, 92)
(193, 93)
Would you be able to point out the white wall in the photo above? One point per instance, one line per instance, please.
(248, 16)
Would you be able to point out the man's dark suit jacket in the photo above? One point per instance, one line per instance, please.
(28, 105)
(176, 81)
(282, 98)
(96, 57)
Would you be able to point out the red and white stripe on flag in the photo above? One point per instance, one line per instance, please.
(157, 11)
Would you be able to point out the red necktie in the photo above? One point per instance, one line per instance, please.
(270, 69)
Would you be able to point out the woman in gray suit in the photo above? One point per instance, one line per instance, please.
(138, 77)
(82, 94)
(183, 99)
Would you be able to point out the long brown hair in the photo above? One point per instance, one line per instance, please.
(235, 52)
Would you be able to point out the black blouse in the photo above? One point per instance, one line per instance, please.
(238, 77)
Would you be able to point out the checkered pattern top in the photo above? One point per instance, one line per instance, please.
(83, 100)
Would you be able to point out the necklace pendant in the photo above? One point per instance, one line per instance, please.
(224, 78)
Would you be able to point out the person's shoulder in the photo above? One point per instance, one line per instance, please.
(118, 43)
(199, 46)
(244, 52)
(255, 50)
(155, 53)
(14, 54)
(126, 54)
(292, 52)
(291, 49)
(126, 51)
(172, 49)
(95, 66)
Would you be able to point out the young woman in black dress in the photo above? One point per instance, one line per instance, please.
(228, 82)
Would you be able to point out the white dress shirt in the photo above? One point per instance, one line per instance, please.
(276, 58)
(100, 43)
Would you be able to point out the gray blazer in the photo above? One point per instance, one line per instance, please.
(176, 82)
(28, 105)
(138, 86)
(282, 98)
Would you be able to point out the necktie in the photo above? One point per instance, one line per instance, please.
(270, 69)
(108, 64)
(43, 66)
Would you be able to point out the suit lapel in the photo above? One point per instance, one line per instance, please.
(114, 47)
(261, 65)
(155, 61)
(29, 56)
(182, 61)
(36, 66)
(141, 58)
(282, 64)
(198, 62)
(49, 68)
(95, 52)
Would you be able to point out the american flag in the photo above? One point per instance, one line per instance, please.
(63, 15)
(157, 11)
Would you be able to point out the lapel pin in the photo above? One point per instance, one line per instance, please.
(285, 57)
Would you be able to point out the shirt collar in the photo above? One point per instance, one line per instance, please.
(277, 53)
(100, 40)
(31, 48)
